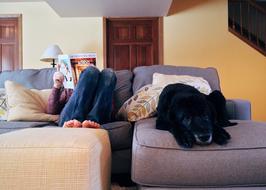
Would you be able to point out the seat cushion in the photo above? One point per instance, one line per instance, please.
(120, 134)
(55, 158)
(16, 125)
(157, 160)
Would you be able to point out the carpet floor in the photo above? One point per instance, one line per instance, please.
(117, 187)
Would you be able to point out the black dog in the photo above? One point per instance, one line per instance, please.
(193, 117)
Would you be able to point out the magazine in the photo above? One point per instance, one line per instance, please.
(72, 65)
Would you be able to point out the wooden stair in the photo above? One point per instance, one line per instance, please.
(247, 20)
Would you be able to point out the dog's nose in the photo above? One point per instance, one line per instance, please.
(204, 138)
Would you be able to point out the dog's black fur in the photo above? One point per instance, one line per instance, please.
(193, 117)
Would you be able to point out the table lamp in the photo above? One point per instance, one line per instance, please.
(50, 54)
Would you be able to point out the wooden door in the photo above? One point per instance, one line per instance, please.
(9, 44)
(132, 43)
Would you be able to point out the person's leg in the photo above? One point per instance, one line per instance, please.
(82, 98)
(102, 106)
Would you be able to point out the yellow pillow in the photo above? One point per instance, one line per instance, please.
(197, 82)
(141, 105)
(27, 104)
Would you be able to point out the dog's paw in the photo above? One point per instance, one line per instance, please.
(185, 139)
(227, 124)
(221, 136)
(231, 123)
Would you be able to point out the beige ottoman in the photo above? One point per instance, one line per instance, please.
(55, 158)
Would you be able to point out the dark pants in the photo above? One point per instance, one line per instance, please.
(92, 97)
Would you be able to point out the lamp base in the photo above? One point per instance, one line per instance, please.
(53, 64)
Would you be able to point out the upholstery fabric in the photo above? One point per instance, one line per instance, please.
(27, 104)
(123, 89)
(121, 161)
(55, 158)
(120, 134)
(241, 162)
(143, 75)
(238, 109)
(30, 78)
(209, 188)
(8, 126)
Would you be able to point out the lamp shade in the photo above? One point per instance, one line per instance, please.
(51, 53)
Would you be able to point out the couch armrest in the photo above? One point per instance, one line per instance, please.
(238, 109)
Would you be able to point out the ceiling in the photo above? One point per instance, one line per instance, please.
(107, 8)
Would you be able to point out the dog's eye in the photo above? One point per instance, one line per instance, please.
(206, 118)
(187, 120)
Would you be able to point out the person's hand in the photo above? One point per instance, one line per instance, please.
(58, 65)
(58, 79)
(92, 65)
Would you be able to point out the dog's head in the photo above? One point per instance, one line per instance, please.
(193, 114)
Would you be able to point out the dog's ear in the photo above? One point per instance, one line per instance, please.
(171, 116)
(174, 111)
(162, 124)
(217, 103)
(212, 112)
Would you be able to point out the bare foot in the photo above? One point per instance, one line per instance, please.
(72, 124)
(90, 124)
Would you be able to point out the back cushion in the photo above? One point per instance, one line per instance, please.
(143, 75)
(43, 79)
(30, 78)
(123, 89)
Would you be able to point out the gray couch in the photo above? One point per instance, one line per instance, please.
(120, 132)
(157, 161)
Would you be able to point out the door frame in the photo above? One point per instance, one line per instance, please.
(19, 19)
(160, 37)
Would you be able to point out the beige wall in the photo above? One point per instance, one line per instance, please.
(196, 34)
(41, 26)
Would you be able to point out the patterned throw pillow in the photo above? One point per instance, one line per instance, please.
(141, 105)
(197, 82)
(3, 104)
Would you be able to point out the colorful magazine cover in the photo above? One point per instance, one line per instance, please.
(81, 61)
(72, 65)
(66, 68)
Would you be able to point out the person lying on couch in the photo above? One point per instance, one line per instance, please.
(89, 104)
